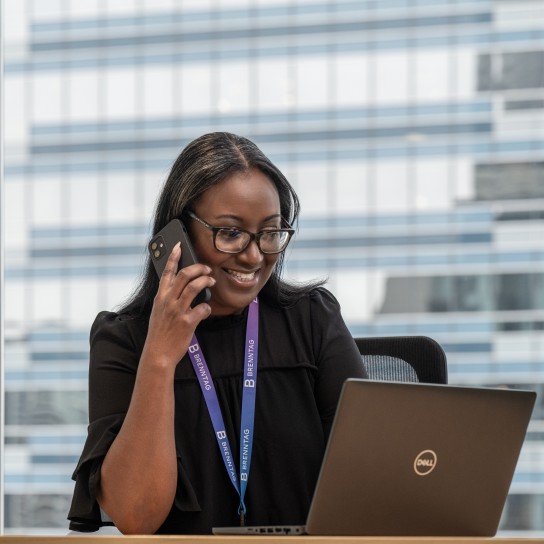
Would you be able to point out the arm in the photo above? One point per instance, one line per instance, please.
(337, 355)
(139, 473)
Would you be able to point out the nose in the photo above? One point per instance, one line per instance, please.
(252, 254)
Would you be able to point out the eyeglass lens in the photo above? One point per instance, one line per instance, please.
(234, 240)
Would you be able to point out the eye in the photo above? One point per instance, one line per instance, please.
(270, 235)
(229, 234)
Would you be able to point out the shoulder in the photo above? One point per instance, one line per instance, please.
(317, 304)
(112, 327)
(322, 297)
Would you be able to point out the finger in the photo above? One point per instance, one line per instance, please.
(199, 312)
(194, 287)
(189, 273)
(171, 266)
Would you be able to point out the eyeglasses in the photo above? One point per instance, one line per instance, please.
(234, 240)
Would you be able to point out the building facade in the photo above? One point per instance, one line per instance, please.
(413, 131)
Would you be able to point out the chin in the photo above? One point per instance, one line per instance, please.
(232, 305)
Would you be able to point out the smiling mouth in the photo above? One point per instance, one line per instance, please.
(241, 276)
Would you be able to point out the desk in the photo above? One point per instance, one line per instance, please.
(209, 539)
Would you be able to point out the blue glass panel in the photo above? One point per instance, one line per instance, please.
(531, 39)
(59, 356)
(238, 15)
(43, 440)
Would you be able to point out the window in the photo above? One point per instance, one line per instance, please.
(275, 84)
(196, 85)
(507, 71)
(46, 408)
(121, 85)
(351, 80)
(83, 96)
(233, 88)
(432, 75)
(158, 90)
(464, 293)
(509, 180)
(312, 82)
(391, 78)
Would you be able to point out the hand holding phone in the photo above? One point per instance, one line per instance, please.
(162, 244)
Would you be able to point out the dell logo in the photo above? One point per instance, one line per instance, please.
(425, 462)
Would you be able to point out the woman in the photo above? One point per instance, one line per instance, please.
(167, 452)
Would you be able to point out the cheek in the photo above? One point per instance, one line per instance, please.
(204, 250)
(213, 260)
(270, 263)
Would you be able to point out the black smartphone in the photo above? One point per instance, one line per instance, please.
(162, 244)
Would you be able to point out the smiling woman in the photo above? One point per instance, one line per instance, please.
(173, 386)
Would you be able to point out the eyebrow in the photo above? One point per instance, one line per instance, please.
(238, 218)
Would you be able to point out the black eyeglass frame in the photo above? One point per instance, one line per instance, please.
(252, 235)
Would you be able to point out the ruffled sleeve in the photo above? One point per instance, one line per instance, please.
(114, 356)
(85, 514)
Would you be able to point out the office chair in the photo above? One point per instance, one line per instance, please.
(404, 359)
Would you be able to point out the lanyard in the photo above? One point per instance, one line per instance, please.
(248, 404)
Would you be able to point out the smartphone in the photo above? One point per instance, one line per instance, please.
(162, 244)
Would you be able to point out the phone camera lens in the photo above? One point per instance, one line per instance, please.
(154, 246)
(157, 254)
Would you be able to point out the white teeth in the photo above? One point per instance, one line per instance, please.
(241, 276)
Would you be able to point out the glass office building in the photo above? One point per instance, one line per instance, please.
(413, 131)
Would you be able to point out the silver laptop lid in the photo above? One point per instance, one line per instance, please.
(416, 459)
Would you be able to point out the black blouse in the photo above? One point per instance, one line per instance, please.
(305, 355)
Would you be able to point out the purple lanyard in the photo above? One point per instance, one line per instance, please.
(248, 404)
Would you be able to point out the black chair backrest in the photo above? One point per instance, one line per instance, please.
(404, 358)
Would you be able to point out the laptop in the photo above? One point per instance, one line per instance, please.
(412, 459)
